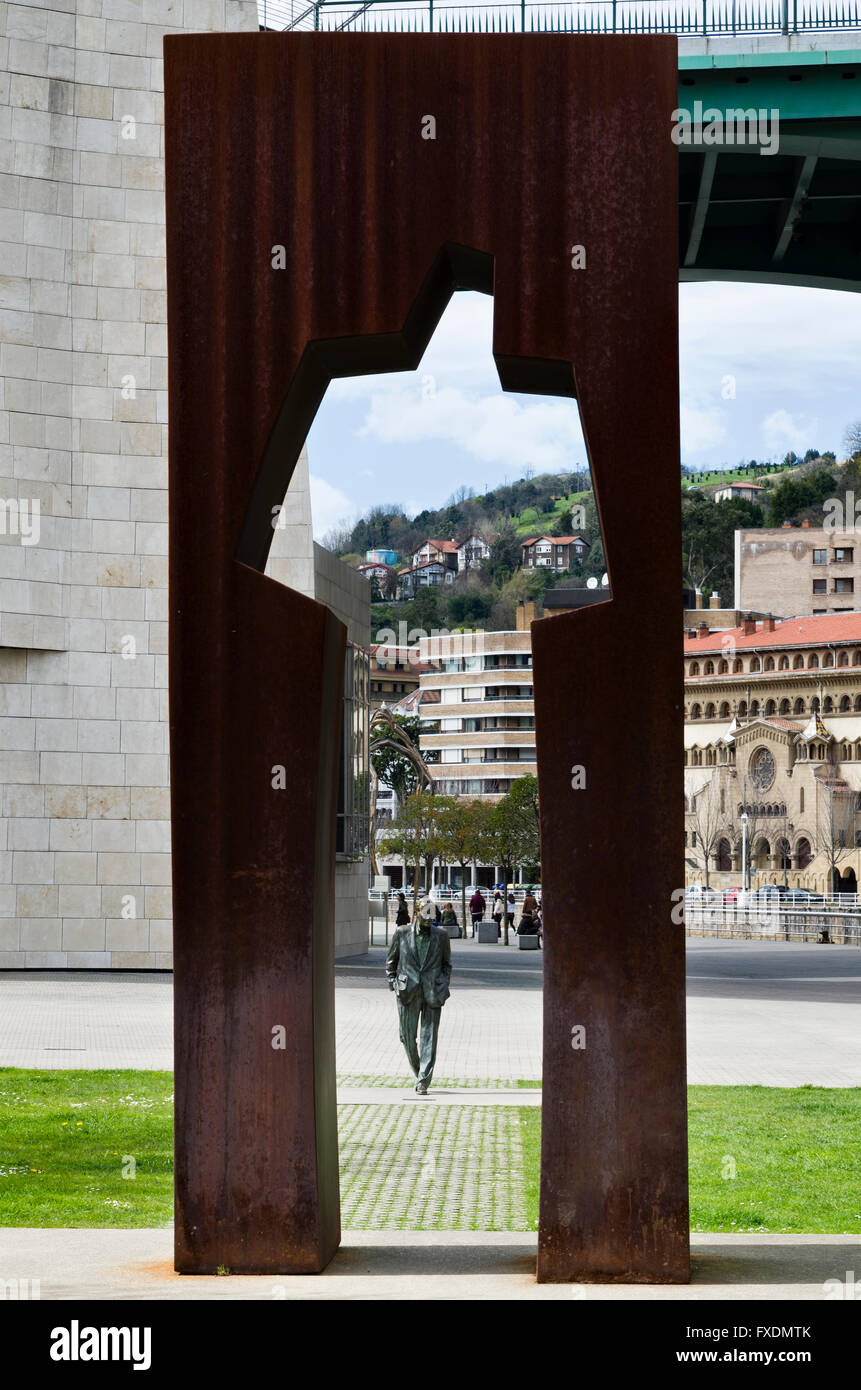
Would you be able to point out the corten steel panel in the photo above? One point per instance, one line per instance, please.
(314, 143)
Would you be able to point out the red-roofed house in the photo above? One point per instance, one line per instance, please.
(553, 552)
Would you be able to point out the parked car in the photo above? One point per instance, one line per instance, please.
(699, 890)
(802, 895)
(731, 894)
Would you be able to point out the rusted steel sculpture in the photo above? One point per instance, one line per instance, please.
(325, 196)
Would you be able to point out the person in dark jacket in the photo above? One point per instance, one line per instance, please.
(403, 917)
(477, 905)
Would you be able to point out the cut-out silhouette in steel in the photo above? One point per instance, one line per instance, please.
(314, 232)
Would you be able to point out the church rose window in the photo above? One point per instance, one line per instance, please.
(762, 769)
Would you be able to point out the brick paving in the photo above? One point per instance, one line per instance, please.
(431, 1168)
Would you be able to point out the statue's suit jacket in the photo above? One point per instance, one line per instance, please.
(407, 977)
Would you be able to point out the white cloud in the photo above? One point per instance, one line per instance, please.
(329, 507)
(783, 431)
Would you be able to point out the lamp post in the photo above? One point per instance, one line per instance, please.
(744, 849)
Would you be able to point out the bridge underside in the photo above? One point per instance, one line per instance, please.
(789, 218)
(792, 216)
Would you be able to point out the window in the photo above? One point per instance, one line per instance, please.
(828, 659)
(820, 557)
(353, 822)
(754, 663)
(820, 586)
(472, 692)
(844, 586)
(450, 755)
(812, 661)
(769, 663)
(844, 554)
(784, 663)
(801, 799)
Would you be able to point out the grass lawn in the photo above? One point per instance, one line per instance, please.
(67, 1138)
(762, 1158)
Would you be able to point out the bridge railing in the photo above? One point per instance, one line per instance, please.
(686, 17)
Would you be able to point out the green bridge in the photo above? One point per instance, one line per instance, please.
(759, 199)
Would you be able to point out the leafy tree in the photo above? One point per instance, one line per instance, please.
(414, 835)
(708, 529)
(794, 494)
(460, 829)
(505, 554)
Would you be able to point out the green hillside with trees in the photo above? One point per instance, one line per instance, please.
(564, 504)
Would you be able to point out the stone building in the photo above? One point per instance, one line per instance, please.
(797, 569)
(773, 732)
(85, 849)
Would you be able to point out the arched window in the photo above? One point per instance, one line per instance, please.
(783, 664)
(784, 707)
(828, 707)
(754, 709)
(737, 665)
(784, 854)
(845, 752)
(710, 711)
(724, 709)
(770, 707)
(812, 661)
(754, 663)
(828, 659)
(724, 857)
(857, 705)
(769, 664)
(696, 711)
(814, 704)
(798, 664)
(844, 704)
(802, 850)
(742, 709)
(843, 659)
(723, 668)
(709, 668)
(856, 658)
(798, 707)
(695, 668)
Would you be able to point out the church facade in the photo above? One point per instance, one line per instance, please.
(772, 755)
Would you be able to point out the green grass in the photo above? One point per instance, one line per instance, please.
(796, 1155)
(66, 1138)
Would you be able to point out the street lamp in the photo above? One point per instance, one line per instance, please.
(744, 849)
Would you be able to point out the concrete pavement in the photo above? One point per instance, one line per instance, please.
(446, 1265)
(767, 1013)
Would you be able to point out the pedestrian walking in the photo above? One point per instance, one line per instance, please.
(477, 905)
(403, 916)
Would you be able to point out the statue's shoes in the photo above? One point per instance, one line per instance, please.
(421, 1089)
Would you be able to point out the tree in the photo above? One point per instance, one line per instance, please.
(415, 836)
(711, 819)
(511, 834)
(505, 553)
(460, 828)
(835, 822)
(852, 439)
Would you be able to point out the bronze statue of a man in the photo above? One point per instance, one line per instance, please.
(418, 969)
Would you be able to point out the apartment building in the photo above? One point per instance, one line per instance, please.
(793, 570)
(477, 710)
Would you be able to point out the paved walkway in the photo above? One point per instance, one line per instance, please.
(770, 1013)
(473, 1266)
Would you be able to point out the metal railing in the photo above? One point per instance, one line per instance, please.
(835, 920)
(686, 17)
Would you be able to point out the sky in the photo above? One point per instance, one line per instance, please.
(763, 369)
